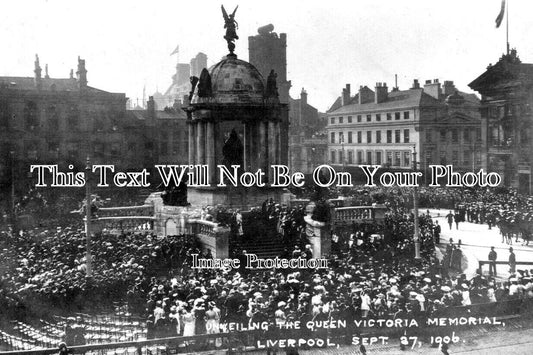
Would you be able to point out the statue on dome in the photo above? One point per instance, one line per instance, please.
(204, 85)
(231, 28)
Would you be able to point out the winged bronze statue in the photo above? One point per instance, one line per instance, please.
(231, 27)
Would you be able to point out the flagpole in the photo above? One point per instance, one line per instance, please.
(507, 25)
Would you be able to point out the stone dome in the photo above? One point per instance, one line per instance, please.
(234, 81)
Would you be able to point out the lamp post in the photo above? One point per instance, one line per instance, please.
(12, 154)
(88, 217)
(416, 236)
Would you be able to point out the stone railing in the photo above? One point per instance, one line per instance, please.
(125, 224)
(144, 210)
(354, 214)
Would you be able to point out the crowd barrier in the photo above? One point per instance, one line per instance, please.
(237, 342)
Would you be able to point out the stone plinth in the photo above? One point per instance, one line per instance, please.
(235, 197)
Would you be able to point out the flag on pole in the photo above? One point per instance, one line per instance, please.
(177, 50)
(499, 19)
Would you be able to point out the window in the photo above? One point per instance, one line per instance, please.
(4, 115)
(378, 136)
(389, 136)
(406, 115)
(455, 157)
(397, 158)
(350, 137)
(358, 118)
(406, 136)
(115, 149)
(332, 137)
(397, 136)
(341, 119)
(378, 158)
(389, 116)
(466, 157)
(369, 136)
(443, 157)
(341, 157)
(378, 117)
(396, 115)
(478, 134)
(333, 156)
(369, 157)
(406, 158)
(341, 137)
(429, 136)
(53, 118)
(455, 136)
(389, 158)
(349, 119)
(30, 149)
(443, 135)
(359, 157)
(368, 118)
(429, 156)
(30, 116)
(350, 157)
(359, 137)
(466, 135)
(73, 118)
(332, 120)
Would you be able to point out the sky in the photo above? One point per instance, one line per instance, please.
(127, 44)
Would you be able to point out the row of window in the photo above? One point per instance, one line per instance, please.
(368, 117)
(371, 137)
(454, 135)
(402, 158)
(378, 157)
(465, 157)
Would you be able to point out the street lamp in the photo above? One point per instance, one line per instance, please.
(416, 236)
(12, 154)
(88, 217)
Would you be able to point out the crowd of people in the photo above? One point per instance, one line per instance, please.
(372, 271)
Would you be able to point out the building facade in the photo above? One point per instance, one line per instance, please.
(267, 51)
(307, 138)
(63, 121)
(383, 127)
(507, 97)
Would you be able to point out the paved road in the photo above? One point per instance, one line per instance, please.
(476, 242)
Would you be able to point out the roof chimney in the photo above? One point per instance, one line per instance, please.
(46, 72)
(449, 88)
(433, 89)
(71, 75)
(81, 73)
(416, 84)
(37, 71)
(381, 93)
(346, 95)
(303, 96)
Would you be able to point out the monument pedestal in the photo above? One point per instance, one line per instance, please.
(235, 197)
(319, 234)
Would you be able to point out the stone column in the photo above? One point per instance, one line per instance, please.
(272, 138)
(247, 146)
(278, 143)
(200, 143)
(210, 150)
(192, 143)
(262, 160)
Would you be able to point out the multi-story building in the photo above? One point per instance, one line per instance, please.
(181, 84)
(307, 140)
(507, 97)
(384, 127)
(267, 51)
(45, 120)
(64, 121)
